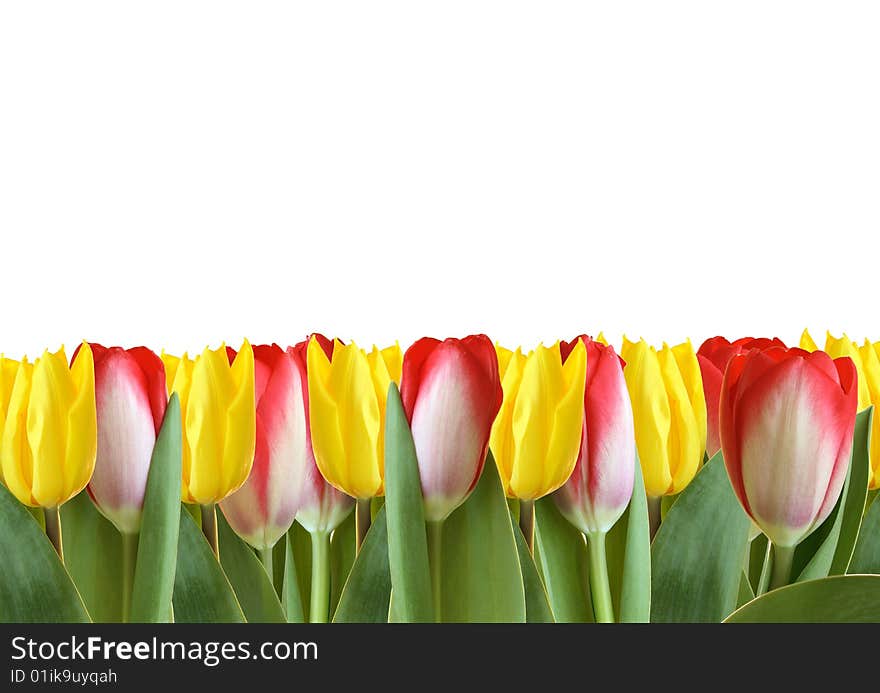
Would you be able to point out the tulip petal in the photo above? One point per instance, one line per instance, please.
(238, 445)
(17, 459)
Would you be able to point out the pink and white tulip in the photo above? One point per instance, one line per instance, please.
(451, 394)
(601, 485)
(787, 419)
(130, 400)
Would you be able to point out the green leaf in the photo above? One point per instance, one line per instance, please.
(93, 555)
(866, 557)
(481, 579)
(202, 594)
(342, 552)
(248, 577)
(405, 517)
(746, 594)
(537, 606)
(635, 591)
(367, 593)
(160, 524)
(836, 599)
(290, 596)
(301, 544)
(829, 548)
(562, 554)
(699, 550)
(34, 586)
(757, 556)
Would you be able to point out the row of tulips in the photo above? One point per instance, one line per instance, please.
(275, 436)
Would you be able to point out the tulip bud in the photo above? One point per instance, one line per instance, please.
(347, 395)
(8, 371)
(50, 435)
(451, 394)
(219, 421)
(130, 399)
(669, 413)
(601, 485)
(713, 356)
(870, 354)
(536, 436)
(787, 419)
(836, 347)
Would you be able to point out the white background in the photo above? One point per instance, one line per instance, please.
(180, 173)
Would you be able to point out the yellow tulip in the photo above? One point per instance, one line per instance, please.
(870, 355)
(219, 421)
(347, 397)
(669, 411)
(836, 347)
(537, 434)
(390, 359)
(50, 436)
(504, 355)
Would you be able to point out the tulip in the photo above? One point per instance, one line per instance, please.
(787, 418)
(8, 371)
(262, 510)
(601, 485)
(219, 425)
(870, 357)
(130, 398)
(537, 434)
(713, 356)
(50, 436)
(836, 347)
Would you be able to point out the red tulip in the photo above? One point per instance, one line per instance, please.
(451, 394)
(601, 485)
(130, 399)
(713, 356)
(787, 419)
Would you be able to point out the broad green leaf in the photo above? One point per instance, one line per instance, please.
(290, 596)
(367, 592)
(830, 547)
(481, 578)
(405, 517)
(835, 599)
(93, 557)
(562, 553)
(342, 551)
(866, 557)
(537, 607)
(160, 524)
(248, 577)
(34, 586)
(698, 552)
(202, 593)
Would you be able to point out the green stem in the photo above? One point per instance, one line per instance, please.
(764, 580)
(654, 514)
(600, 588)
(782, 559)
(527, 522)
(209, 527)
(266, 558)
(435, 558)
(362, 520)
(53, 530)
(320, 605)
(129, 562)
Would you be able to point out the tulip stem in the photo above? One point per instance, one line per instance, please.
(209, 527)
(655, 507)
(782, 559)
(527, 522)
(600, 587)
(435, 558)
(362, 520)
(53, 530)
(320, 604)
(129, 561)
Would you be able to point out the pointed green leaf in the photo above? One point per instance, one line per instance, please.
(291, 600)
(836, 599)
(537, 606)
(746, 594)
(698, 552)
(405, 517)
(635, 591)
(367, 592)
(301, 544)
(248, 578)
(481, 579)
(34, 586)
(160, 524)
(866, 557)
(202, 593)
(562, 552)
(757, 556)
(342, 552)
(93, 553)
